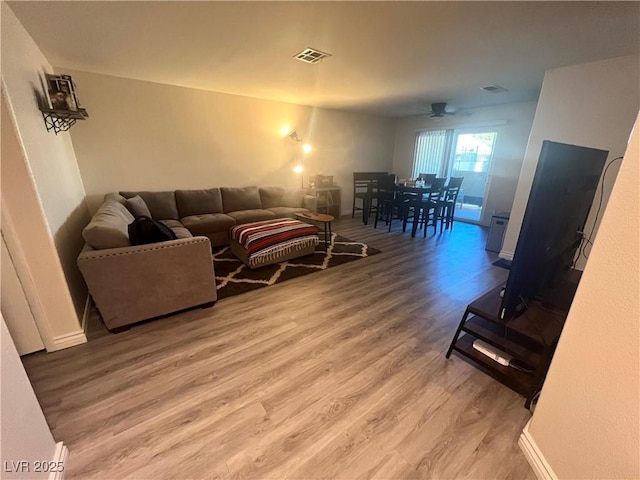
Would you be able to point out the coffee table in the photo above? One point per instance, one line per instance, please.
(323, 219)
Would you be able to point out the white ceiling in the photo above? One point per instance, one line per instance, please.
(389, 58)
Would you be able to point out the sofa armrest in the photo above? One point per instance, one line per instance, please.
(135, 283)
(310, 202)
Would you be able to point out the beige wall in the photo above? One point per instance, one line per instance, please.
(143, 135)
(587, 422)
(24, 227)
(591, 105)
(50, 158)
(511, 121)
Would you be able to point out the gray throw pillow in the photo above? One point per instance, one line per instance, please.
(138, 207)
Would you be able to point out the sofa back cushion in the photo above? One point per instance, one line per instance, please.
(271, 196)
(246, 198)
(109, 226)
(162, 205)
(198, 202)
(137, 207)
(292, 198)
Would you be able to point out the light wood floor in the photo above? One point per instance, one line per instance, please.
(339, 374)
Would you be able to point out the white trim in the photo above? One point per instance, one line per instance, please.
(507, 255)
(60, 455)
(69, 339)
(534, 456)
(26, 279)
(85, 314)
(463, 125)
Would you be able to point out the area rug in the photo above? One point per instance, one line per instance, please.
(502, 263)
(233, 277)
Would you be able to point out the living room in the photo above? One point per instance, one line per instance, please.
(151, 135)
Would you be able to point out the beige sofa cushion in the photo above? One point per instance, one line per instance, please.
(109, 226)
(287, 212)
(208, 224)
(177, 228)
(198, 202)
(137, 207)
(162, 205)
(271, 196)
(281, 197)
(115, 196)
(246, 198)
(255, 215)
(292, 198)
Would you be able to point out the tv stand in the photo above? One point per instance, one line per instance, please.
(530, 338)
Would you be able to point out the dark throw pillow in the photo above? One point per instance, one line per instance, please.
(144, 230)
(138, 207)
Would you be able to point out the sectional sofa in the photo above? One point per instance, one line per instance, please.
(133, 283)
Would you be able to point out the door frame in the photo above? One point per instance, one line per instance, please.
(454, 141)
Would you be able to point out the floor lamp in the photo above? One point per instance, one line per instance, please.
(306, 148)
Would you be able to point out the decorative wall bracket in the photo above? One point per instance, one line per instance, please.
(62, 120)
(60, 106)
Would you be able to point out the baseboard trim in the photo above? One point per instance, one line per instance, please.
(534, 456)
(506, 255)
(60, 455)
(69, 340)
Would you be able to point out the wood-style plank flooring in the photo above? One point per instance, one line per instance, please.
(338, 374)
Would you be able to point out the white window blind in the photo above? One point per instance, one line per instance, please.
(431, 148)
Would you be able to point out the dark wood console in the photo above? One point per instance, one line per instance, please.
(531, 339)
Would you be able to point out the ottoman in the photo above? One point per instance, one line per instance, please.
(271, 241)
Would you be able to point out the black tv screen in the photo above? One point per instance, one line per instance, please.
(561, 196)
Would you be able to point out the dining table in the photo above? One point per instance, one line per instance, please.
(416, 197)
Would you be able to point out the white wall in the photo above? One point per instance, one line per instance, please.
(50, 159)
(143, 135)
(587, 422)
(29, 240)
(25, 434)
(513, 124)
(591, 105)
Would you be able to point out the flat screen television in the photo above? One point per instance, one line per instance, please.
(562, 193)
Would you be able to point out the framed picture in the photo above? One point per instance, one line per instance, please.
(61, 94)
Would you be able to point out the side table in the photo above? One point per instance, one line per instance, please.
(322, 218)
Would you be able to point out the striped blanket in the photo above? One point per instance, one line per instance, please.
(271, 239)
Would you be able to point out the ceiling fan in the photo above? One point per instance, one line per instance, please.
(439, 110)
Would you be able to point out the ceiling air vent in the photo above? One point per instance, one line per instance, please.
(311, 55)
(494, 89)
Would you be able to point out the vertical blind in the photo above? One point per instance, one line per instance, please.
(431, 148)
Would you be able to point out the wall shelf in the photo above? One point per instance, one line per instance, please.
(62, 120)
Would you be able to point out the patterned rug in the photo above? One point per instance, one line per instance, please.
(233, 277)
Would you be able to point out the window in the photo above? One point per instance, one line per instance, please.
(458, 153)
(431, 151)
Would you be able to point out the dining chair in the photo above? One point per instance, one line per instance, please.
(390, 203)
(427, 177)
(362, 191)
(420, 209)
(430, 205)
(447, 202)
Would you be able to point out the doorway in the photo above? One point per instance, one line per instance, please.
(464, 153)
(471, 158)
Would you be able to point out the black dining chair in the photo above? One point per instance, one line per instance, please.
(390, 203)
(447, 202)
(421, 208)
(427, 177)
(362, 189)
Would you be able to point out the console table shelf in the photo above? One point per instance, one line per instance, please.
(530, 338)
(329, 199)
